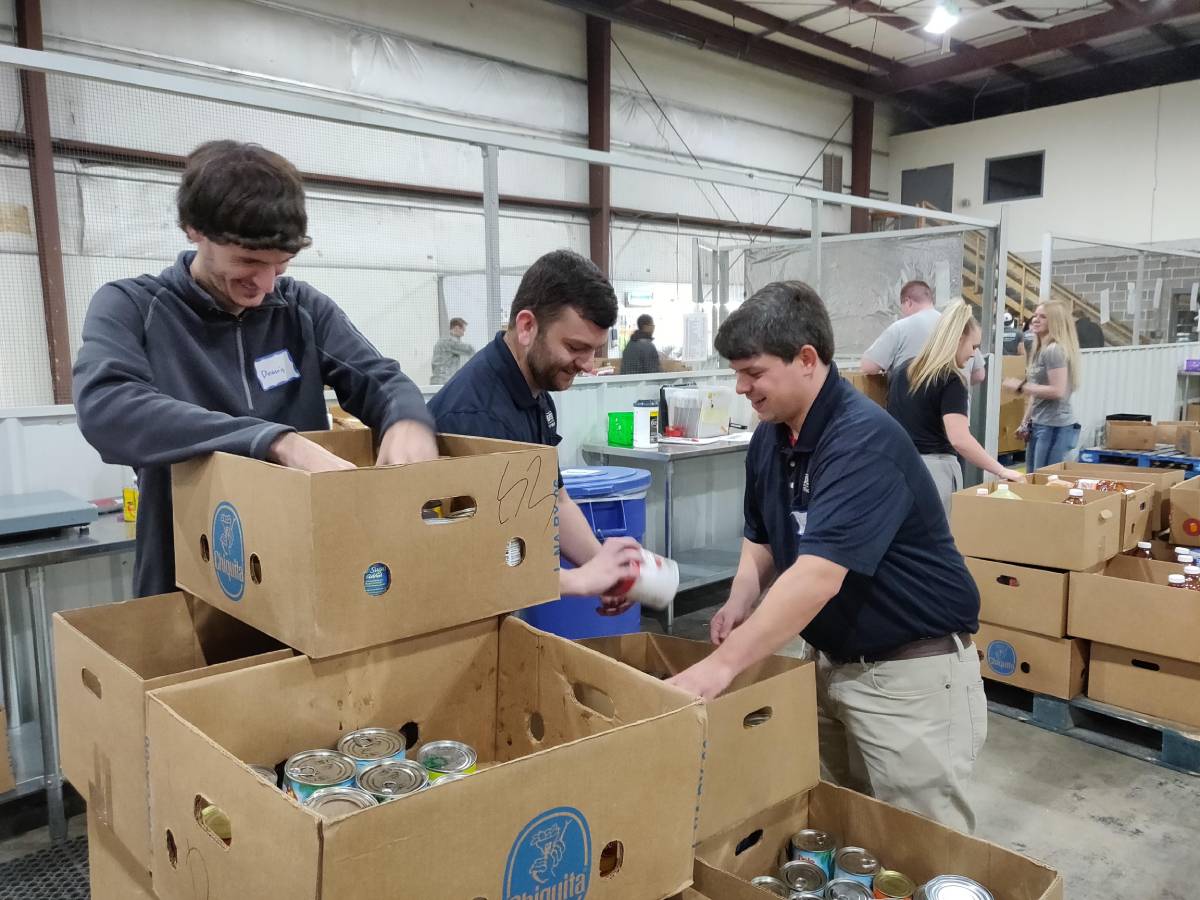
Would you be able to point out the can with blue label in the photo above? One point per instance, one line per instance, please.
(856, 864)
(816, 846)
(367, 746)
(310, 770)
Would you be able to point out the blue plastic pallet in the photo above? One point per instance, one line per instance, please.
(1111, 727)
(1162, 459)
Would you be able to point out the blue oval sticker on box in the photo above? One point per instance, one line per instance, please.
(552, 857)
(377, 579)
(228, 550)
(1001, 657)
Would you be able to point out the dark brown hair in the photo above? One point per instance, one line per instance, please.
(455, 322)
(779, 320)
(562, 278)
(243, 194)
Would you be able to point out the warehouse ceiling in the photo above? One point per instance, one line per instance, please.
(1000, 56)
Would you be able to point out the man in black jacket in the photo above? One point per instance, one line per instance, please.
(219, 352)
(640, 356)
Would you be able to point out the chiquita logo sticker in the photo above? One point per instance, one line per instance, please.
(1002, 657)
(551, 859)
(228, 551)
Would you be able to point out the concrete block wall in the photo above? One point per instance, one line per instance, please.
(1088, 276)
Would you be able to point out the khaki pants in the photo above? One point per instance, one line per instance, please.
(905, 732)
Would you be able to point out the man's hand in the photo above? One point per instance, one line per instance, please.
(707, 679)
(407, 441)
(728, 617)
(613, 563)
(298, 452)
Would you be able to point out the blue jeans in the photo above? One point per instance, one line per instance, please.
(1049, 444)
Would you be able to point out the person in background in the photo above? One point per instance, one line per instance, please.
(1088, 332)
(846, 542)
(640, 356)
(450, 352)
(904, 338)
(1012, 335)
(928, 396)
(559, 318)
(221, 352)
(1050, 379)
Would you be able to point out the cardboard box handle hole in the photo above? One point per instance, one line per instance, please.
(172, 850)
(255, 568)
(92, 683)
(748, 841)
(514, 553)
(594, 699)
(213, 821)
(447, 510)
(611, 859)
(1008, 581)
(204, 555)
(537, 726)
(1025, 668)
(412, 734)
(1145, 664)
(757, 717)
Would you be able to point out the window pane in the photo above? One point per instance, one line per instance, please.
(1014, 177)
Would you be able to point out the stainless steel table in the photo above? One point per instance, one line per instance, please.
(108, 535)
(702, 565)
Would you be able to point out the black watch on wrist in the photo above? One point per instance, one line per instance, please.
(1021, 386)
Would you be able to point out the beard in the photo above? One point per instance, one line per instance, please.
(544, 369)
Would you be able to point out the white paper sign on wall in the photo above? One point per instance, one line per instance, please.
(1104, 307)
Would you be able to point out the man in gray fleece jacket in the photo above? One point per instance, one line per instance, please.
(219, 352)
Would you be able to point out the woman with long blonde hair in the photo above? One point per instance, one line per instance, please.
(928, 396)
(1050, 379)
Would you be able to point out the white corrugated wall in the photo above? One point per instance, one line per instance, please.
(1141, 380)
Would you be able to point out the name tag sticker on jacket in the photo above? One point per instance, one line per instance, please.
(275, 369)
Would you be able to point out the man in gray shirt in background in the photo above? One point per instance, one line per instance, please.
(907, 336)
(450, 352)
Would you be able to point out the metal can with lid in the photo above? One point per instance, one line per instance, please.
(847, 889)
(952, 887)
(802, 875)
(816, 846)
(806, 895)
(856, 864)
(308, 771)
(453, 776)
(392, 779)
(892, 885)
(367, 746)
(266, 773)
(447, 758)
(337, 801)
(772, 885)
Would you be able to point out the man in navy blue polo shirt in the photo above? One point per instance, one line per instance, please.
(846, 535)
(559, 318)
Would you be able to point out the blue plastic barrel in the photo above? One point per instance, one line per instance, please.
(613, 500)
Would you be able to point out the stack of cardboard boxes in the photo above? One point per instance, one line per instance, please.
(1064, 605)
(595, 778)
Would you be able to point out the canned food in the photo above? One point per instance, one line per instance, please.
(802, 875)
(772, 885)
(214, 819)
(447, 758)
(847, 889)
(337, 801)
(454, 776)
(310, 770)
(367, 746)
(856, 864)
(816, 846)
(892, 885)
(952, 887)
(393, 779)
(266, 773)
(806, 895)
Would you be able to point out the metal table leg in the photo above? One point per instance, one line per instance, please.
(668, 500)
(35, 586)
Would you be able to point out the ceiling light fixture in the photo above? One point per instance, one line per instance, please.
(944, 17)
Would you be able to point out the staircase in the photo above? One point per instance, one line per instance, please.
(1021, 290)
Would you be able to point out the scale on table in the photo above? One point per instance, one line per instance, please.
(42, 511)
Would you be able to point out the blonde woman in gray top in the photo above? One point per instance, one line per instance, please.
(1050, 380)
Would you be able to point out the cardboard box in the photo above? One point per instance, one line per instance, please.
(7, 780)
(603, 758)
(1192, 412)
(338, 561)
(113, 872)
(1162, 479)
(1137, 509)
(768, 712)
(1012, 413)
(874, 386)
(1130, 605)
(1038, 530)
(1185, 512)
(1155, 685)
(1189, 441)
(1168, 432)
(919, 847)
(1021, 597)
(106, 659)
(1034, 662)
(1130, 436)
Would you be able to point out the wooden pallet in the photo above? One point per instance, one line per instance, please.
(1166, 744)
(1170, 458)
